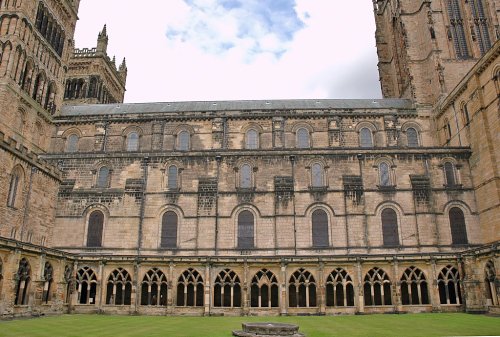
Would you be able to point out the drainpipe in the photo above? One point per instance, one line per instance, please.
(292, 161)
(27, 202)
(145, 162)
(218, 159)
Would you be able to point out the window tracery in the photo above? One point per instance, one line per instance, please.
(227, 289)
(154, 288)
(377, 288)
(414, 287)
(119, 288)
(86, 280)
(339, 289)
(190, 289)
(264, 291)
(302, 290)
(449, 286)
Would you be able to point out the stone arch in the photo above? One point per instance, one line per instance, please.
(130, 144)
(15, 198)
(154, 288)
(87, 216)
(302, 289)
(414, 287)
(245, 217)
(86, 280)
(377, 288)
(119, 287)
(339, 289)
(190, 289)
(264, 290)
(227, 289)
(23, 282)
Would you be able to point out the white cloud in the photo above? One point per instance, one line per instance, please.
(267, 59)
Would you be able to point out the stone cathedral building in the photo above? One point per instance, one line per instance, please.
(252, 207)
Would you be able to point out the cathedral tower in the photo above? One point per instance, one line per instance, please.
(426, 47)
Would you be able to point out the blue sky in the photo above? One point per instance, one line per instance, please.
(238, 49)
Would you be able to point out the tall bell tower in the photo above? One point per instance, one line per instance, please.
(426, 46)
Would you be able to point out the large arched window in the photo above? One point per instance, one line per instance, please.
(320, 237)
(303, 141)
(377, 288)
(119, 288)
(183, 140)
(317, 175)
(365, 138)
(490, 281)
(412, 137)
(480, 21)
(48, 277)
(456, 29)
(246, 176)
(449, 286)
(23, 282)
(95, 229)
(302, 290)
(103, 177)
(339, 289)
(390, 227)
(458, 227)
(414, 288)
(190, 289)
(169, 224)
(227, 289)
(264, 292)
(246, 230)
(154, 288)
(252, 139)
(72, 143)
(449, 173)
(384, 175)
(86, 280)
(16, 182)
(173, 178)
(133, 142)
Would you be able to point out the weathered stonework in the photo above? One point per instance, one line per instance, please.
(286, 207)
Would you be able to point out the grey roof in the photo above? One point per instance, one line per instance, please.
(214, 106)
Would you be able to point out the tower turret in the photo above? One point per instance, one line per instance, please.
(102, 41)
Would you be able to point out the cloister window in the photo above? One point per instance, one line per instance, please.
(384, 175)
(458, 227)
(377, 288)
(481, 25)
(339, 289)
(449, 173)
(72, 143)
(449, 286)
(173, 178)
(264, 292)
(169, 224)
(154, 288)
(390, 227)
(95, 229)
(86, 280)
(133, 142)
(252, 139)
(119, 288)
(23, 282)
(457, 29)
(490, 281)
(183, 141)
(103, 177)
(365, 138)
(227, 289)
(317, 175)
(15, 183)
(246, 176)
(246, 230)
(302, 290)
(48, 276)
(414, 290)
(320, 237)
(412, 137)
(303, 141)
(190, 289)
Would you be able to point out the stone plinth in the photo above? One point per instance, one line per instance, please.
(268, 330)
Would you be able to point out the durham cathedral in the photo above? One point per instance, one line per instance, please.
(271, 207)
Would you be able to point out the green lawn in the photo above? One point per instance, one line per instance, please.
(369, 325)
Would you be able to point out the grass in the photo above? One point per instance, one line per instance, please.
(326, 326)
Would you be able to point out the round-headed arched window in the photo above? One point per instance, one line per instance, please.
(303, 138)
(246, 176)
(385, 176)
(449, 172)
(365, 138)
(458, 227)
(173, 179)
(169, 230)
(133, 142)
(245, 230)
(390, 227)
(95, 228)
(72, 143)
(252, 139)
(320, 229)
(183, 141)
(412, 137)
(317, 175)
(103, 177)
